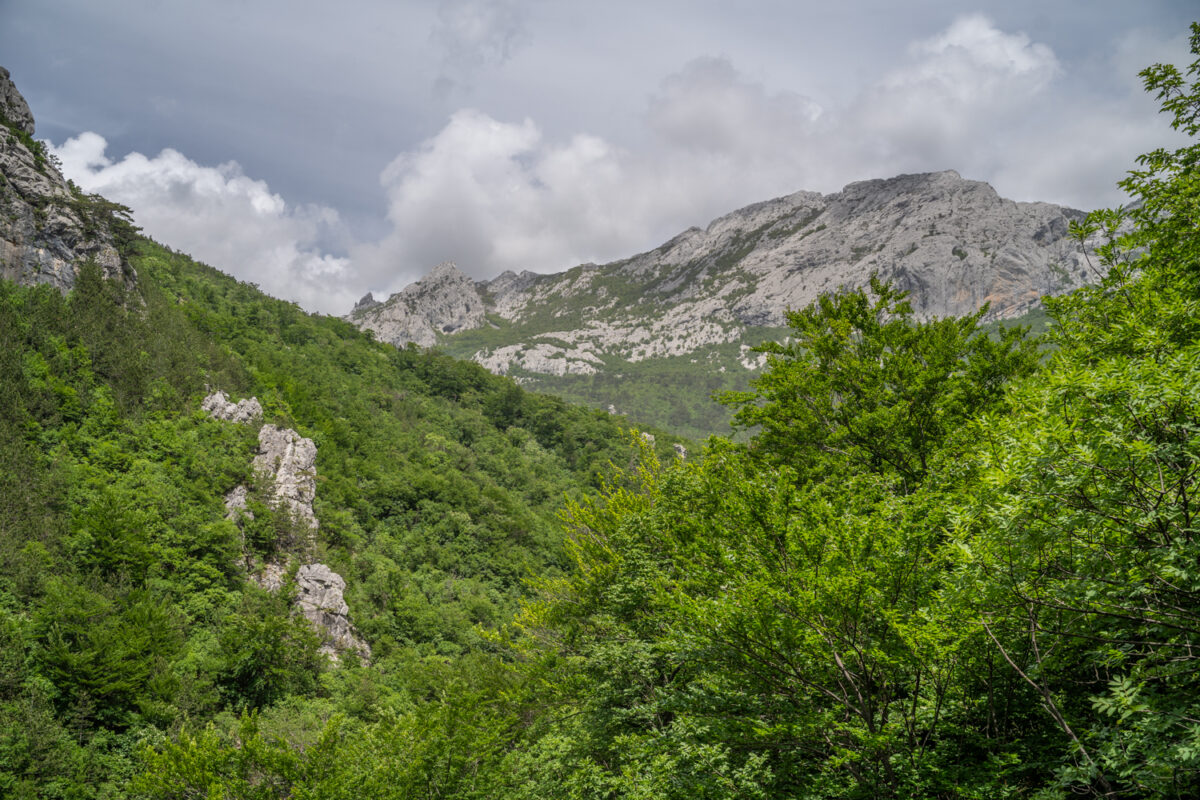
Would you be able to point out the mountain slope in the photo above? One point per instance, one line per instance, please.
(694, 306)
(158, 569)
(125, 601)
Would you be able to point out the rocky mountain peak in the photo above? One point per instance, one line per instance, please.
(952, 243)
(509, 281)
(48, 227)
(366, 301)
(446, 271)
(13, 108)
(442, 302)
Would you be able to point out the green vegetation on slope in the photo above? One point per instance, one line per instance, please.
(904, 586)
(124, 605)
(674, 393)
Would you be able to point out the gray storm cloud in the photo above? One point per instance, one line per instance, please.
(495, 195)
(474, 35)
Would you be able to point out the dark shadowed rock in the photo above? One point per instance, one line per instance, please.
(367, 301)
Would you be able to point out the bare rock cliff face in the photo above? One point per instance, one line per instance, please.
(289, 462)
(13, 106)
(286, 461)
(443, 302)
(47, 227)
(319, 599)
(952, 244)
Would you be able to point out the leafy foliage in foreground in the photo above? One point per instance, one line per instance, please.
(860, 386)
(932, 573)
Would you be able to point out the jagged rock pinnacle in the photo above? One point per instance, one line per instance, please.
(442, 302)
(13, 108)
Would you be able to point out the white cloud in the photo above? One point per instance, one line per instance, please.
(493, 195)
(962, 93)
(222, 217)
(709, 106)
(972, 61)
(1001, 108)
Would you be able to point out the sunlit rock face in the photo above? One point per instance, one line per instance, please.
(289, 462)
(47, 230)
(953, 244)
(244, 411)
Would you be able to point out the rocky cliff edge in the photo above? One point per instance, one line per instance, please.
(48, 227)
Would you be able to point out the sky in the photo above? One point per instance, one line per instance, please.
(323, 149)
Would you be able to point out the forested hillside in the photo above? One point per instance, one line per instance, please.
(945, 563)
(125, 610)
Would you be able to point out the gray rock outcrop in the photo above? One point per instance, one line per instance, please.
(541, 357)
(246, 411)
(285, 460)
(48, 228)
(441, 303)
(243, 412)
(13, 107)
(289, 461)
(235, 504)
(270, 577)
(319, 597)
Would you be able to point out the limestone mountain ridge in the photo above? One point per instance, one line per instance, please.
(953, 244)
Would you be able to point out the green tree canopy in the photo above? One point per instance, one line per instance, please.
(861, 385)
